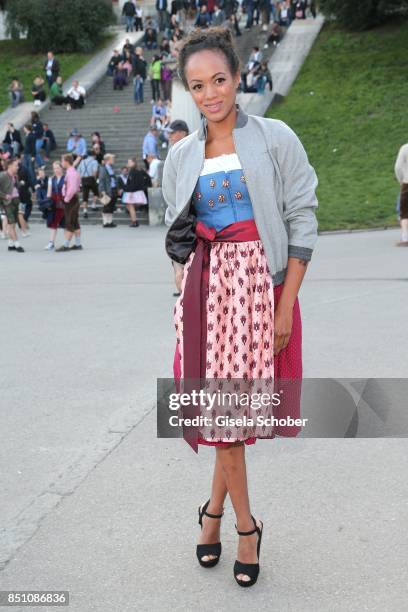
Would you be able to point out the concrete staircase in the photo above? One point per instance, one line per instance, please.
(121, 122)
(122, 125)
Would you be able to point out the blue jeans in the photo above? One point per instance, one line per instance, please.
(129, 24)
(28, 165)
(138, 91)
(38, 146)
(260, 84)
(250, 16)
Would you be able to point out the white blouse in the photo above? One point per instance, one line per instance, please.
(221, 163)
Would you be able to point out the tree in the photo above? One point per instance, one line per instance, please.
(59, 25)
(363, 14)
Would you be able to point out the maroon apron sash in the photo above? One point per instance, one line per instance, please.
(195, 312)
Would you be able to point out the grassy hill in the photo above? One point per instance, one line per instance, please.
(349, 106)
(16, 59)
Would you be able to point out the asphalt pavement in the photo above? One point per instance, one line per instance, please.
(94, 503)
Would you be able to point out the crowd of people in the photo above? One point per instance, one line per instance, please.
(74, 98)
(164, 34)
(171, 15)
(87, 168)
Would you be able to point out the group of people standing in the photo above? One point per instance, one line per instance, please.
(73, 98)
(131, 64)
(62, 190)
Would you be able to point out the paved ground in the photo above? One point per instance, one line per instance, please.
(94, 503)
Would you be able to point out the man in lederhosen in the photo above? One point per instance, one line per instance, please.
(70, 193)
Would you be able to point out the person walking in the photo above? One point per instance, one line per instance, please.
(10, 201)
(401, 172)
(162, 14)
(150, 145)
(241, 277)
(38, 130)
(70, 193)
(29, 152)
(166, 81)
(139, 71)
(108, 190)
(129, 12)
(134, 190)
(55, 219)
(155, 76)
(88, 169)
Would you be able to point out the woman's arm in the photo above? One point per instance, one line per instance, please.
(299, 204)
(283, 318)
(169, 194)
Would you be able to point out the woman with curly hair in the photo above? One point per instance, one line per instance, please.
(241, 202)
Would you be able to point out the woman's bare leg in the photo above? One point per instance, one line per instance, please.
(22, 222)
(210, 533)
(132, 212)
(232, 459)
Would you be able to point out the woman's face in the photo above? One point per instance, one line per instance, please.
(211, 83)
(57, 170)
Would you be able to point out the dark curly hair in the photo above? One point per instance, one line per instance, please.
(217, 38)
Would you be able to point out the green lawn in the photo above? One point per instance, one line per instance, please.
(353, 123)
(17, 60)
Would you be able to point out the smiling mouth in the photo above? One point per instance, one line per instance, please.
(214, 106)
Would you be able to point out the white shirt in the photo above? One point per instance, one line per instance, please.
(49, 66)
(221, 163)
(153, 171)
(401, 165)
(76, 93)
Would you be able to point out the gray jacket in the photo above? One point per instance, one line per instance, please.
(104, 181)
(6, 187)
(280, 181)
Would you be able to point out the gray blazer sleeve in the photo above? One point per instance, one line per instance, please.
(299, 195)
(169, 188)
(169, 191)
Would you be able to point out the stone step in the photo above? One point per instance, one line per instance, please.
(122, 131)
(95, 218)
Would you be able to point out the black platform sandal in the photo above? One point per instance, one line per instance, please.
(249, 569)
(204, 550)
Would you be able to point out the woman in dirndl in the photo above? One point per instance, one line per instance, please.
(134, 190)
(250, 328)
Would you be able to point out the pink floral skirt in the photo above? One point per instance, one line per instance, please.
(240, 325)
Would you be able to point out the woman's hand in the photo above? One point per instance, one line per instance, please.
(178, 274)
(283, 320)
